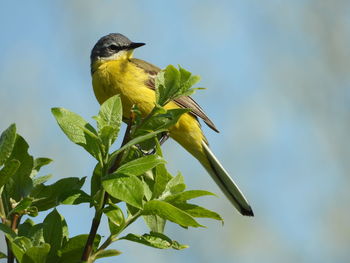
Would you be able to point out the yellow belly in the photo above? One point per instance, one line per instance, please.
(121, 77)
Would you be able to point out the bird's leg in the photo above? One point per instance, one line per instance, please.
(164, 137)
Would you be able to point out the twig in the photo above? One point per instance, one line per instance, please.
(94, 226)
(10, 256)
(98, 214)
(112, 238)
(14, 224)
(118, 158)
(15, 221)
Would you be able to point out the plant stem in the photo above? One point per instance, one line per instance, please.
(10, 256)
(116, 163)
(14, 224)
(118, 158)
(112, 238)
(94, 226)
(4, 212)
(15, 221)
(154, 110)
(98, 214)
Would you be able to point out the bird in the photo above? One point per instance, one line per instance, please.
(115, 71)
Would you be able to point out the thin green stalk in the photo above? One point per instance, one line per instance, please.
(135, 141)
(11, 223)
(116, 159)
(10, 256)
(5, 203)
(130, 141)
(154, 110)
(113, 238)
(2, 210)
(86, 256)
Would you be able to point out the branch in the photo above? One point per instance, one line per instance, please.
(98, 214)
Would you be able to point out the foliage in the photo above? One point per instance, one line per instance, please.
(135, 175)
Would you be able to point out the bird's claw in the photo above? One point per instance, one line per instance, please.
(164, 137)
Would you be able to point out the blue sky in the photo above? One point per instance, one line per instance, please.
(277, 89)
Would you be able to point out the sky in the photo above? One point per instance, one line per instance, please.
(277, 87)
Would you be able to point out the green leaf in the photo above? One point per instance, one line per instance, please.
(78, 130)
(53, 230)
(187, 195)
(75, 197)
(110, 113)
(131, 210)
(33, 211)
(48, 196)
(38, 163)
(7, 230)
(23, 229)
(73, 250)
(115, 214)
(187, 81)
(107, 136)
(155, 223)
(134, 141)
(113, 228)
(36, 234)
(161, 120)
(198, 211)
(8, 171)
(131, 154)
(167, 84)
(174, 186)
(116, 218)
(41, 179)
(96, 180)
(110, 117)
(169, 212)
(126, 188)
(140, 165)
(7, 141)
(3, 255)
(107, 253)
(36, 254)
(17, 251)
(20, 184)
(19, 246)
(156, 240)
(21, 206)
(147, 185)
(23, 242)
(171, 84)
(162, 177)
(161, 98)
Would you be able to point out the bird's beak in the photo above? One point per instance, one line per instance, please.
(135, 45)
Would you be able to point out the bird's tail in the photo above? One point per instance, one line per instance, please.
(225, 182)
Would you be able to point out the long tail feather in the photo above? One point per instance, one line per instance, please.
(226, 184)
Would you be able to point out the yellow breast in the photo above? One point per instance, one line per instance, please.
(123, 78)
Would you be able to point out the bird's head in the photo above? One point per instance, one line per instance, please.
(112, 47)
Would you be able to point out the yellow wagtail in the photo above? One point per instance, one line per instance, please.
(115, 71)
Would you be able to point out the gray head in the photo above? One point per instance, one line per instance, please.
(109, 45)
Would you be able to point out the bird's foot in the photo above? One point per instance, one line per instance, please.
(164, 137)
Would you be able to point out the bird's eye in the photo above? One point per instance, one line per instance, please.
(113, 47)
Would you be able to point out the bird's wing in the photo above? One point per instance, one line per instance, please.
(183, 102)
